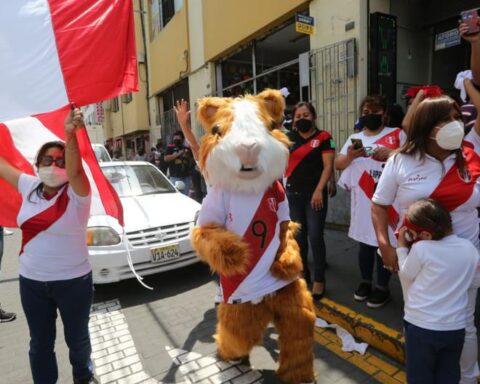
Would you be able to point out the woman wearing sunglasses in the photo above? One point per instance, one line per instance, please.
(55, 274)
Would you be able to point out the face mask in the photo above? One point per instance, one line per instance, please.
(450, 136)
(303, 125)
(178, 142)
(372, 121)
(52, 176)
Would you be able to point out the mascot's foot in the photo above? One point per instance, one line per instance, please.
(243, 360)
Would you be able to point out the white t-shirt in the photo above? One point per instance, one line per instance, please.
(58, 252)
(256, 218)
(406, 179)
(474, 139)
(435, 276)
(360, 178)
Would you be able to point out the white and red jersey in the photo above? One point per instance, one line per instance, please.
(361, 178)
(472, 139)
(53, 233)
(408, 178)
(256, 218)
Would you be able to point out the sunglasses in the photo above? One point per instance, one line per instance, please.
(49, 160)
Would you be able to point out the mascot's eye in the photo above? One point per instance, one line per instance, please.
(216, 130)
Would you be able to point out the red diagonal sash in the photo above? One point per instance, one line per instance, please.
(391, 140)
(455, 188)
(258, 235)
(299, 154)
(367, 185)
(43, 220)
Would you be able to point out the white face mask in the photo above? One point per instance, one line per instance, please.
(52, 176)
(450, 136)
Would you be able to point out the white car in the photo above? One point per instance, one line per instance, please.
(101, 153)
(158, 224)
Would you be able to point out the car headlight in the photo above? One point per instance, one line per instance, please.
(197, 214)
(102, 236)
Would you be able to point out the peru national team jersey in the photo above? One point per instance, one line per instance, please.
(360, 178)
(256, 218)
(407, 179)
(472, 139)
(53, 233)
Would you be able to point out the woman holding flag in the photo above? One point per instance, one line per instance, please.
(433, 164)
(55, 273)
(309, 170)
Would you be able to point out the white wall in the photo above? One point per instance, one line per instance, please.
(201, 83)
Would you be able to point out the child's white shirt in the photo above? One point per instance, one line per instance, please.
(435, 276)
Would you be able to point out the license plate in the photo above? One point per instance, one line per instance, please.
(165, 254)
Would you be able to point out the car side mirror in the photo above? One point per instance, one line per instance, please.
(180, 185)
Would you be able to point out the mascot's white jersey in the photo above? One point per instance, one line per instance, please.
(256, 218)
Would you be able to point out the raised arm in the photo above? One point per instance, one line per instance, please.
(73, 163)
(9, 173)
(183, 117)
(474, 41)
(474, 96)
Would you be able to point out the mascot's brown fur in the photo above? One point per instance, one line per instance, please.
(244, 152)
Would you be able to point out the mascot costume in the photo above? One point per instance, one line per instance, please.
(246, 236)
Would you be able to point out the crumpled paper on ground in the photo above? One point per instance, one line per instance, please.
(348, 342)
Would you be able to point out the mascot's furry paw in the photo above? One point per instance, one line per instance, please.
(224, 251)
(288, 263)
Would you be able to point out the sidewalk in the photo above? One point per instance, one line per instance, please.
(165, 336)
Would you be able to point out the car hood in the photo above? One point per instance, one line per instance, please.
(153, 210)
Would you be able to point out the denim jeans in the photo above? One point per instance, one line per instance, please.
(187, 180)
(433, 357)
(367, 256)
(40, 302)
(313, 224)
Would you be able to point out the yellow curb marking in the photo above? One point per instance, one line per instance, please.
(377, 368)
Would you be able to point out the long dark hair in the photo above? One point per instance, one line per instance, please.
(429, 113)
(41, 152)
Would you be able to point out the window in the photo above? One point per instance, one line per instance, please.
(127, 98)
(162, 11)
(115, 105)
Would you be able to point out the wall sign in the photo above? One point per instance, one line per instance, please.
(304, 24)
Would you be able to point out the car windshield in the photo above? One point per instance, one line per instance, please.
(101, 153)
(137, 180)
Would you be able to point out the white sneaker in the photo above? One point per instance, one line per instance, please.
(7, 232)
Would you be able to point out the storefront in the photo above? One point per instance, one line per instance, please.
(267, 62)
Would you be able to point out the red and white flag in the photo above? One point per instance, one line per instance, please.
(20, 141)
(54, 52)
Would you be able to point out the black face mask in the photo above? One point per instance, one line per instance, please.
(178, 142)
(303, 125)
(372, 121)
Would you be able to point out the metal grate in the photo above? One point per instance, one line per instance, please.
(159, 235)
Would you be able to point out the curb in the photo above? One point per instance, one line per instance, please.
(378, 335)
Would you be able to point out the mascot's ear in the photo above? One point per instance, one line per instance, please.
(208, 108)
(274, 102)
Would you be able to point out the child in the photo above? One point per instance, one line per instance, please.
(435, 274)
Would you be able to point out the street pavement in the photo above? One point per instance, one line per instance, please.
(165, 335)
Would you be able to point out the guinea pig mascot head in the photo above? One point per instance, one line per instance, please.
(243, 150)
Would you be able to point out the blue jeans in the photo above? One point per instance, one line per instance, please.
(433, 357)
(313, 224)
(40, 302)
(367, 255)
(186, 180)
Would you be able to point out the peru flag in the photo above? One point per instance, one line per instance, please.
(20, 141)
(54, 52)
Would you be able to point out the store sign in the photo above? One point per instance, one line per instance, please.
(304, 24)
(447, 39)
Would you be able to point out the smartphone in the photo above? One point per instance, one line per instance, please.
(470, 18)
(357, 143)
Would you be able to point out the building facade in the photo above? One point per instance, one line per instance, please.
(189, 49)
